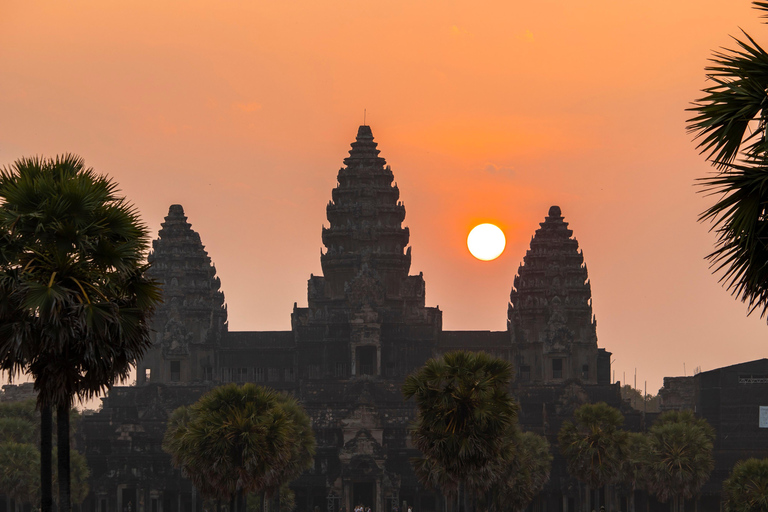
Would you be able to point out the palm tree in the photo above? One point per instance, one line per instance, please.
(301, 447)
(746, 490)
(525, 477)
(466, 421)
(74, 298)
(594, 445)
(731, 122)
(680, 456)
(237, 440)
(634, 466)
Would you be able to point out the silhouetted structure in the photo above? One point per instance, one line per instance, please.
(365, 327)
(734, 400)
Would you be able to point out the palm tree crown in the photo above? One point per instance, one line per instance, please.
(466, 420)
(76, 302)
(74, 298)
(731, 122)
(240, 439)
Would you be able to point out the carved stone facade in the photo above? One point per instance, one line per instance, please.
(365, 328)
(550, 320)
(192, 320)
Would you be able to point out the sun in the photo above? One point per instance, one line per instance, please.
(486, 242)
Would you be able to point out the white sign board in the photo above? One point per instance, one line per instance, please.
(763, 416)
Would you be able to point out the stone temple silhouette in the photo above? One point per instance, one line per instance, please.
(365, 328)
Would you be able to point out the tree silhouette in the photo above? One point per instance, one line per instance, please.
(746, 489)
(731, 121)
(74, 300)
(465, 424)
(594, 445)
(237, 440)
(680, 456)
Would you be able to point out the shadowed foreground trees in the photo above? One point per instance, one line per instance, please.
(680, 456)
(525, 476)
(74, 299)
(746, 490)
(237, 440)
(466, 422)
(594, 446)
(20, 456)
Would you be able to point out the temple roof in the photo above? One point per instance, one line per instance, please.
(365, 217)
(551, 290)
(186, 274)
(364, 152)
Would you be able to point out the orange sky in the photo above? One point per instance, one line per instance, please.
(487, 111)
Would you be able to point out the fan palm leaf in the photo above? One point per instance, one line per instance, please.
(75, 302)
(465, 422)
(731, 123)
(240, 439)
(746, 489)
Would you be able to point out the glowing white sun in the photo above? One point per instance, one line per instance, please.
(486, 242)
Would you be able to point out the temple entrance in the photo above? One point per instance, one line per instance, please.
(129, 500)
(363, 493)
(366, 360)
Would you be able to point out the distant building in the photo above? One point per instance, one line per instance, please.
(734, 400)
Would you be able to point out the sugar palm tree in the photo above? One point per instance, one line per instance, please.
(594, 445)
(465, 423)
(237, 440)
(301, 448)
(746, 489)
(524, 477)
(680, 456)
(74, 298)
(730, 122)
(634, 466)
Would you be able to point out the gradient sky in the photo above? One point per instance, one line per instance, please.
(487, 111)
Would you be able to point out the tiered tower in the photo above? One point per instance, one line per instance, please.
(365, 291)
(550, 320)
(193, 317)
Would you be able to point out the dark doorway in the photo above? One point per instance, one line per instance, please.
(129, 500)
(366, 360)
(362, 493)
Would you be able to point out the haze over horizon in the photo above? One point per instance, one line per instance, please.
(242, 112)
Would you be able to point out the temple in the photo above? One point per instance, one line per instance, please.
(365, 328)
(552, 329)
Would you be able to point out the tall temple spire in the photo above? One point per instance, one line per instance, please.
(189, 283)
(365, 219)
(551, 304)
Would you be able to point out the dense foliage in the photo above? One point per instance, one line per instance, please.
(466, 427)
(594, 445)
(524, 477)
(20, 455)
(680, 456)
(238, 440)
(746, 489)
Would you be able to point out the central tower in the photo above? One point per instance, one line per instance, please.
(365, 217)
(365, 308)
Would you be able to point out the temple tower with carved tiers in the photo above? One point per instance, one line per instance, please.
(366, 311)
(192, 319)
(550, 320)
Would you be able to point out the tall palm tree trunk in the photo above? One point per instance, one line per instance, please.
(46, 466)
(62, 433)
